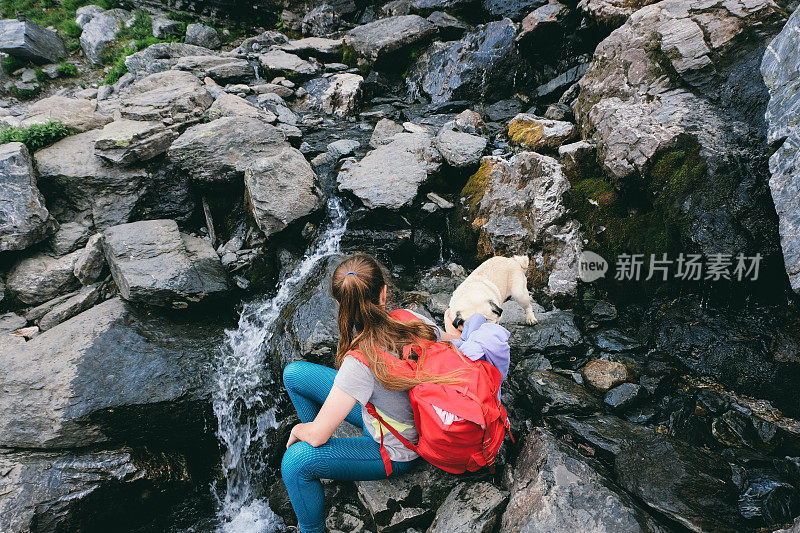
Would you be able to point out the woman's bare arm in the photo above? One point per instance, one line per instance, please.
(337, 406)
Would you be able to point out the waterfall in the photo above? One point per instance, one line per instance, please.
(242, 404)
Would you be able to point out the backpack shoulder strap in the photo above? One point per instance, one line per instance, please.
(359, 356)
(404, 315)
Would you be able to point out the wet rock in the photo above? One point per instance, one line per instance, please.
(160, 57)
(614, 341)
(748, 351)
(173, 96)
(27, 40)
(82, 185)
(220, 151)
(100, 31)
(483, 63)
(689, 485)
(384, 132)
(51, 491)
(65, 386)
(469, 121)
(540, 134)
(125, 142)
(553, 393)
(517, 204)
(448, 26)
(678, 89)
(611, 13)
(459, 149)
(40, 277)
(408, 500)
(152, 262)
(85, 298)
(221, 69)
(554, 488)
(275, 104)
(202, 35)
(604, 311)
(390, 175)
(472, 507)
(513, 9)
(69, 237)
(230, 105)
(603, 374)
(604, 434)
(280, 63)
(556, 332)
(388, 37)
(25, 220)
(261, 42)
(321, 21)
(781, 77)
(624, 395)
(76, 113)
(543, 22)
(337, 94)
(315, 46)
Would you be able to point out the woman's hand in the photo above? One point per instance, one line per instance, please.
(293, 436)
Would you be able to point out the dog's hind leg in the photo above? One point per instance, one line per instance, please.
(519, 291)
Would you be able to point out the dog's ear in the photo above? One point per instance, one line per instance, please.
(496, 309)
(458, 321)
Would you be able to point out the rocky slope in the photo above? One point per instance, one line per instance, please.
(162, 172)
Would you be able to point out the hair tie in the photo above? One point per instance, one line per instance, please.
(351, 272)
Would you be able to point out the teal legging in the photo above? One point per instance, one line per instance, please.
(343, 459)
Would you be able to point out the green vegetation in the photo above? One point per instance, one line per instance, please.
(129, 40)
(118, 68)
(36, 136)
(10, 64)
(66, 70)
(25, 94)
(59, 15)
(41, 77)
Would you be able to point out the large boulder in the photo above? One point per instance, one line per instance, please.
(484, 63)
(53, 491)
(78, 114)
(202, 35)
(337, 94)
(101, 30)
(612, 13)
(555, 489)
(160, 57)
(153, 262)
(458, 148)
(516, 206)
(388, 37)
(390, 175)
(280, 63)
(782, 77)
(674, 102)
(27, 40)
(82, 185)
(513, 9)
(315, 46)
(25, 219)
(174, 96)
(125, 142)
(222, 69)
(69, 386)
(469, 507)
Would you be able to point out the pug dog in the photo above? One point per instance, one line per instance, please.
(492, 283)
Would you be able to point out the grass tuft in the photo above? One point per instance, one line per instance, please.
(36, 136)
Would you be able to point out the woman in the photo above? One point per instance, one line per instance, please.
(324, 397)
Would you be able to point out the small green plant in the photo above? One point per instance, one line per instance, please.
(35, 136)
(66, 70)
(10, 64)
(25, 94)
(71, 28)
(119, 68)
(41, 77)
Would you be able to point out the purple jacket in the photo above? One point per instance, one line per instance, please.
(484, 340)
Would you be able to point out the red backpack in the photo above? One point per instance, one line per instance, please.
(478, 422)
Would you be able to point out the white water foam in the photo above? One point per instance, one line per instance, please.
(244, 411)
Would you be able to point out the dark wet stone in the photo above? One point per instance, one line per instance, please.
(614, 341)
(503, 110)
(624, 395)
(554, 393)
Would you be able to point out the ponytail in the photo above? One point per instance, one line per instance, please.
(364, 324)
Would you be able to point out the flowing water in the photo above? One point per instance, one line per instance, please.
(244, 409)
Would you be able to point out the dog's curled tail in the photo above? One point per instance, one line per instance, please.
(522, 260)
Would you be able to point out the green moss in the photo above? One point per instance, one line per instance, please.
(350, 56)
(476, 185)
(35, 136)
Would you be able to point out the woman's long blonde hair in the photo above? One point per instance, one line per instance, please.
(364, 324)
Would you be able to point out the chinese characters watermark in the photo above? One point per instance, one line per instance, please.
(686, 267)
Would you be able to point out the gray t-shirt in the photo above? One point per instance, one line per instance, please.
(356, 379)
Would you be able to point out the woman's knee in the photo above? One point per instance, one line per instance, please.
(295, 460)
(294, 373)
